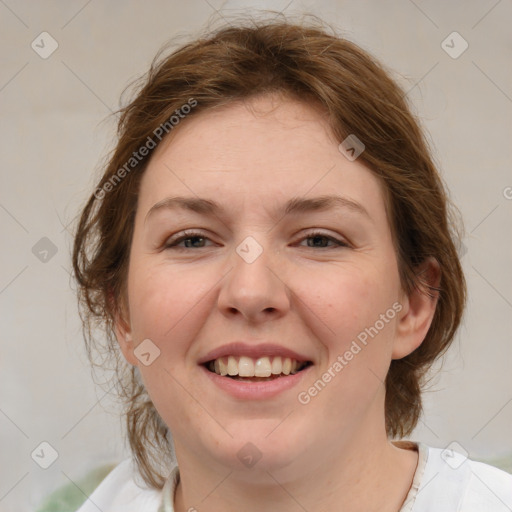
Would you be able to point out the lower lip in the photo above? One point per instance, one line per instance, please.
(262, 390)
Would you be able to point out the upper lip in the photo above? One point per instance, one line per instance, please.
(240, 348)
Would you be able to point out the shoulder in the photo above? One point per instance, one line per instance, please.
(122, 490)
(452, 482)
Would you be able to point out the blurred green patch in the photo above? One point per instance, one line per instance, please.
(70, 497)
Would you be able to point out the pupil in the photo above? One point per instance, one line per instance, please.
(318, 237)
(188, 243)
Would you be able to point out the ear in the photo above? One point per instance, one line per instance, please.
(123, 334)
(418, 310)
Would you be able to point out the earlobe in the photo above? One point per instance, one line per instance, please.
(418, 310)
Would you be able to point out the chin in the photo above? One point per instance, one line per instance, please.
(258, 446)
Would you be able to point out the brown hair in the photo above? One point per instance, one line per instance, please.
(307, 63)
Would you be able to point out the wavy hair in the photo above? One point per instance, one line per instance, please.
(308, 63)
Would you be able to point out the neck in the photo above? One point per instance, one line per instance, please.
(355, 477)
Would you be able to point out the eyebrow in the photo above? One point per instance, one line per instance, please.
(296, 205)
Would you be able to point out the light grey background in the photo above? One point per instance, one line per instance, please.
(55, 133)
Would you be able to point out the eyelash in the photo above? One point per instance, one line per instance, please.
(187, 235)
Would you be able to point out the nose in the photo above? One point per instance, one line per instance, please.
(255, 287)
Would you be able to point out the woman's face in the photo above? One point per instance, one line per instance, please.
(266, 280)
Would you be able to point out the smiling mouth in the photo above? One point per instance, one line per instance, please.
(247, 369)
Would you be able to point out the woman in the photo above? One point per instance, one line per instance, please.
(272, 251)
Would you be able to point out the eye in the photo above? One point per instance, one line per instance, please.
(191, 237)
(185, 237)
(319, 236)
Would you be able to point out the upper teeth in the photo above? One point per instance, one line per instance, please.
(247, 367)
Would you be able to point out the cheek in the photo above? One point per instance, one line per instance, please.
(359, 309)
(345, 302)
(162, 302)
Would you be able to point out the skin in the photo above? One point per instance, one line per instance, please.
(312, 297)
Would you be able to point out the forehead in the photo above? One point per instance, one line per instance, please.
(260, 127)
(255, 154)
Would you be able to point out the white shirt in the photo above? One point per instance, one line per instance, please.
(444, 481)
